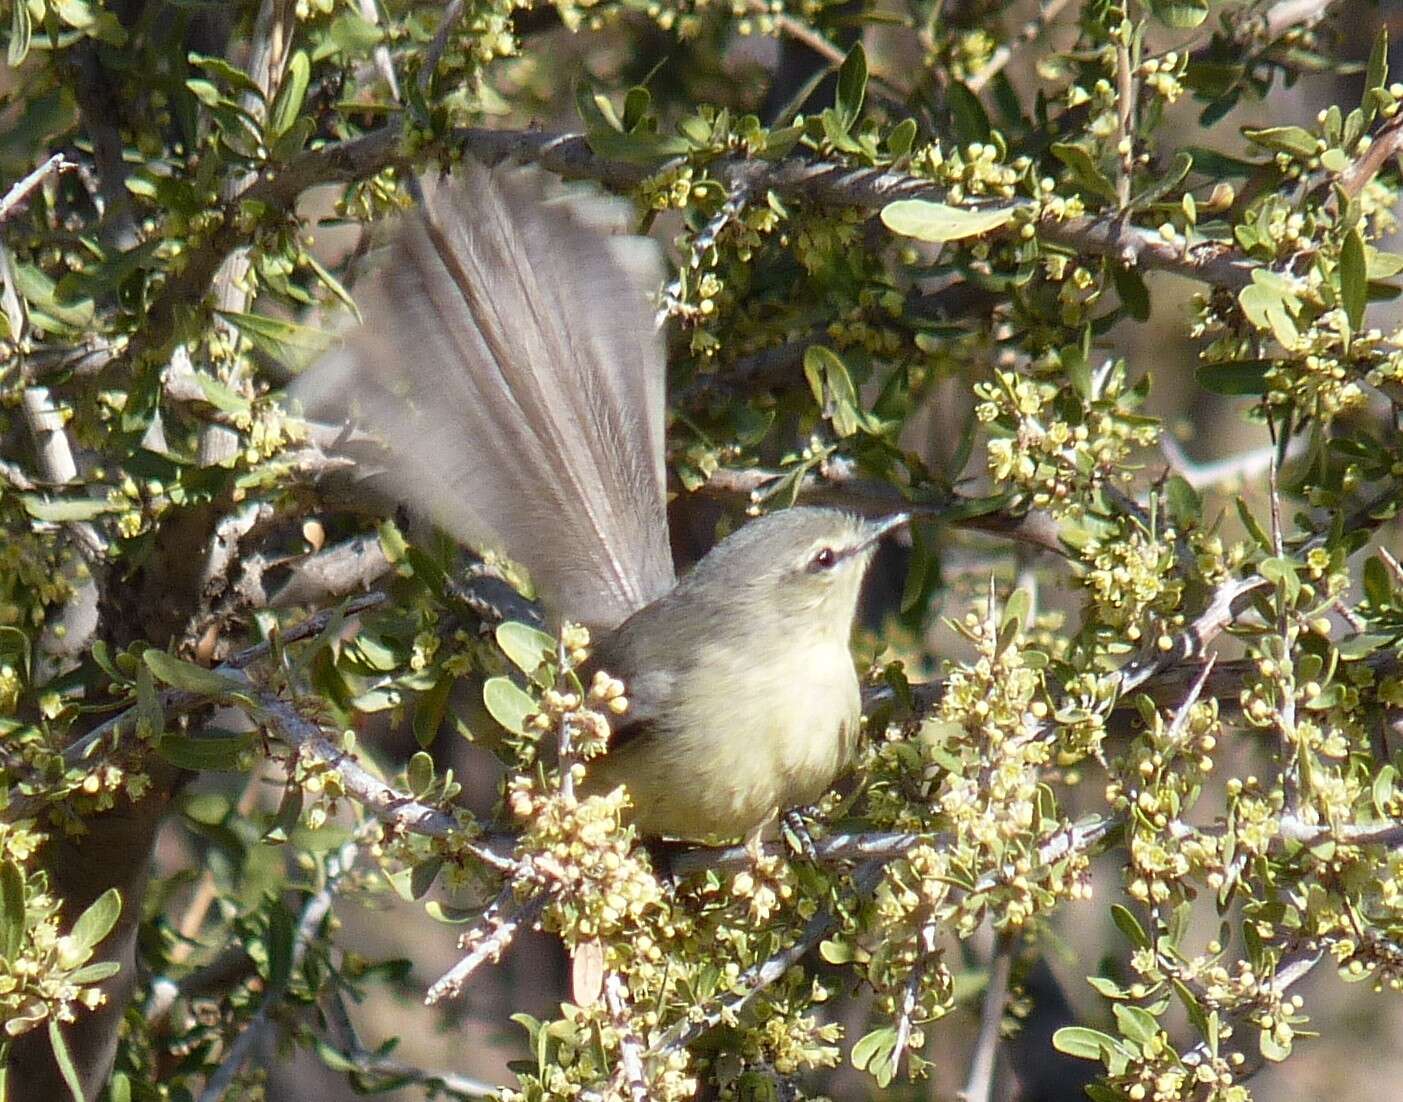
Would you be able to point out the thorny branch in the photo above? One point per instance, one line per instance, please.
(569, 156)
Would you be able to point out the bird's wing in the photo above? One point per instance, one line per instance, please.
(510, 359)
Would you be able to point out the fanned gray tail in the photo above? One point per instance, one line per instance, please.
(510, 361)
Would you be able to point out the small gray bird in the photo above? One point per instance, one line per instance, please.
(510, 360)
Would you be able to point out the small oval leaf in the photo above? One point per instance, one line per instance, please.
(937, 222)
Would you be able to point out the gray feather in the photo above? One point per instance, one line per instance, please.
(510, 360)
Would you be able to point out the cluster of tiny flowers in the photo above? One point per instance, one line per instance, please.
(41, 980)
(573, 1068)
(1365, 955)
(1164, 75)
(32, 577)
(606, 888)
(1057, 463)
(976, 170)
(320, 781)
(979, 772)
(764, 887)
(861, 325)
(965, 53)
(797, 1043)
(1154, 786)
(1131, 577)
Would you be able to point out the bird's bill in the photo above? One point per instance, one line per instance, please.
(878, 528)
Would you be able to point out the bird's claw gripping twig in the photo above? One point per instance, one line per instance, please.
(796, 833)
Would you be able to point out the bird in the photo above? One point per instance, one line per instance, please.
(510, 360)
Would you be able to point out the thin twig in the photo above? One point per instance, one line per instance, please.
(1233, 469)
(438, 45)
(313, 913)
(910, 996)
(758, 977)
(488, 940)
(20, 190)
(393, 808)
(1030, 31)
(370, 12)
(980, 1082)
(629, 1074)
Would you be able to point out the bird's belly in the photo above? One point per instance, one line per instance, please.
(776, 738)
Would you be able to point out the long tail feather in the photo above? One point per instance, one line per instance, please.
(510, 361)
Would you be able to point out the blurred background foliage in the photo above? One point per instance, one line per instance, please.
(1102, 290)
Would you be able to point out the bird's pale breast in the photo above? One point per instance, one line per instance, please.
(747, 739)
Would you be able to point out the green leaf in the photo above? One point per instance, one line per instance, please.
(1282, 572)
(1235, 377)
(291, 93)
(293, 346)
(1130, 926)
(1085, 172)
(421, 877)
(1134, 295)
(1165, 183)
(96, 973)
(61, 1054)
(641, 146)
(1382, 790)
(1383, 265)
(529, 649)
(96, 922)
(150, 714)
(419, 774)
(876, 1054)
(1294, 140)
(1085, 1044)
(1254, 529)
(349, 34)
(20, 32)
(1377, 73)
(1185, 506)
(926, 220)
(332, 284)
(232, 75)
(63, 510)
(508, 704)
(179, 674)
(1378, 589)
(285, 819)
(852, 86)
(901, 138)
(1272, 1049)
(279, 942)
(1354, 279)
(220, 395)
(1269, 303)
(829, 379)
(11, 910)
(836, 951)
(1015, 615)
(119, 1089)
(429, 710)
(1136, 1023)
(637, 100)
(1182, 15)
(967, 115)
(1106, 988)
(219, 751)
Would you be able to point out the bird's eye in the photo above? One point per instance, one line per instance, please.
(824, 558)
